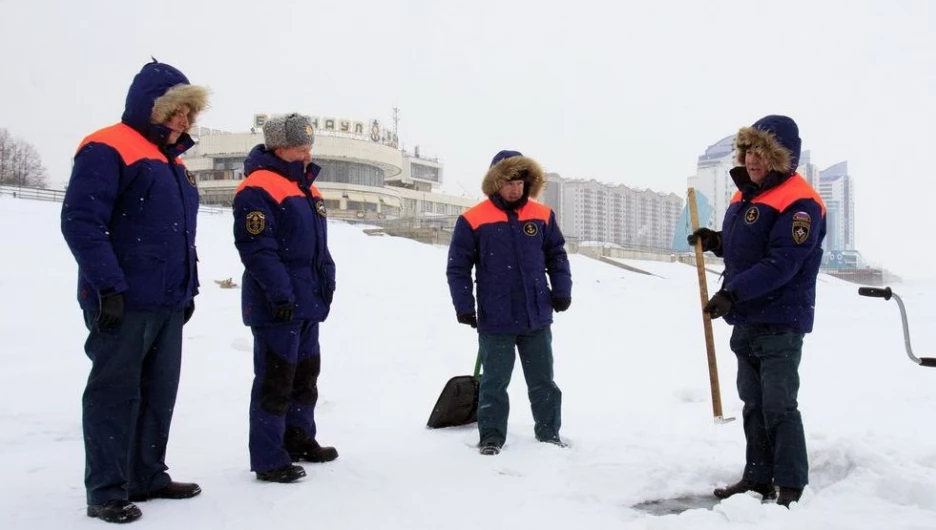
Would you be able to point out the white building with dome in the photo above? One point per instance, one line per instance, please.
(365, 174)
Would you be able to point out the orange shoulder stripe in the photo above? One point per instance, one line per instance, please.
(129, 144)
(781, 197)
(535, 211)
(279, 187)
(484, 213)
(794, 189)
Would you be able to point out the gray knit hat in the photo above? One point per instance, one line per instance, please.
(291, 130)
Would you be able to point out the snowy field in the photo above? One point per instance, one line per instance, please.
(630, 360)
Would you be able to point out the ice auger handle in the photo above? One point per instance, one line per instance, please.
(876, 292)
(887, 294)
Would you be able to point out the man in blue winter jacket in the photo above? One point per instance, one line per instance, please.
(281, 233)
(129, 218)
(513, 243)
(771, 242)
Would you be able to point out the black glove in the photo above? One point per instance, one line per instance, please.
(561, 304)
(189, 310)
(112, 311)
(711, 240)
(720, 304)
(468, 318)
(283, 311)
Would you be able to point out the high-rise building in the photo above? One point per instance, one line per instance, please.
(588, 210)
(553, 196)
(713, 181)
(835, 187)
(808, 170)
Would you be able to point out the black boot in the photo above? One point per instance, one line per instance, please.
(301, 447)
(284, 475)
(743, 486)
(311, 451)
(174, 490)
(789, 496)
(116, 511)
(317, 453)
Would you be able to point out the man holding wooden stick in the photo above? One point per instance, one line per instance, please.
(771, 242)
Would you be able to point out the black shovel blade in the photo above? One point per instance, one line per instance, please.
(457, 404)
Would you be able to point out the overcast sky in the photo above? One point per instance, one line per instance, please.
(623, 92)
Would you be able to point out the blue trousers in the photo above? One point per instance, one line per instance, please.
(287, 363)
(128, 403)
(498, 352)
(768, 383)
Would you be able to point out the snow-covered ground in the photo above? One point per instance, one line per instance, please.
(630, 360)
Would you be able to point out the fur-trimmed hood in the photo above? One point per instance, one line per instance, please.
(155, 93)
(776, 138)
(194, 96)
(506, 166)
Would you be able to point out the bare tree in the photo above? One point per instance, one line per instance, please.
(6, 153)
(20, 163)
(27, 169)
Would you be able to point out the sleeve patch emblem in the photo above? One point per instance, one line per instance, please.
(256, 222)
(320, 208)
(530, 228)
(800, 231)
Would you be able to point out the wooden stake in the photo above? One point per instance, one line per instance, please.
(706, 319)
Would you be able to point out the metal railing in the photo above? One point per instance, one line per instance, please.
(42, 194)
(36, 194)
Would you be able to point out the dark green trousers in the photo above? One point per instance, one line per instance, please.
(498, 352)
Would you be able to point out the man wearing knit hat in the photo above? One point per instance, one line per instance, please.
(129, 217)
(513, 243)
(281, 233)
(771, 241)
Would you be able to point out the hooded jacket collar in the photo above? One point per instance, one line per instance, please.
(153, 81)
(749, 189)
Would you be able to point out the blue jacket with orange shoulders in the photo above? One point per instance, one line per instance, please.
(772, 234)
(281, 233)
(513, 248)
(131, 208)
